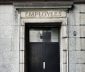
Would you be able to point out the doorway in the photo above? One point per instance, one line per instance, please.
(42, 51)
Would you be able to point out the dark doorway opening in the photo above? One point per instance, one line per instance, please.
(42, 52)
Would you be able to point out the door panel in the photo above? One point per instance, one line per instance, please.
(36, 56)
(52, 57)
(47, 52)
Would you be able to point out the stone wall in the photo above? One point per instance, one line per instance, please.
(9, 40)
(76, 22)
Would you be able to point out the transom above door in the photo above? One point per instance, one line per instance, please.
(44, 34)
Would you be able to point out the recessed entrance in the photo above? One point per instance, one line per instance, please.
(42, 52)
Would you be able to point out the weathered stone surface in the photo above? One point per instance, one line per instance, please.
(77, 8)
(5, 31)
(64, 31)
(7, 67)
(72, 57)
(80, 55)
(22, 31)
(72, 44)
(73, 29)
(64, 44)
(72, 67)
(7, 15)
(80, 67)
(22, 42)
(15, 44)
(9, 40)
(6, 9)
(82, 8)
(82, 18)
(64, 57)
(78, 44)
(77, 19)
(9, 57)
(71, 18)
(64, 67)
(5, 44)
(21, 56)
(82, 42)
(82, 31)
(21, 67)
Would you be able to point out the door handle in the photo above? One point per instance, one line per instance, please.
(44, 65)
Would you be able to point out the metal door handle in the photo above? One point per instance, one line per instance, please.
(44, 65)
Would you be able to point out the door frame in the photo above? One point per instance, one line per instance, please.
(63, 37)
(33, 25)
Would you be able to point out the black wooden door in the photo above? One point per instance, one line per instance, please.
(52, 57)
(42, 56)
(41, 52)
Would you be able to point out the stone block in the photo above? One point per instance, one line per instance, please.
(72, 67)
(21, 67)
(82, 15)
(77, 29)
(22, 41)
(82, 31)
(64, 57)
(72, 57)
(80, 57)
(82, 22)
(71, 18)
(78, 44)
(64, 44)
(82, 42)
(80, 67)
(71, 30)
(64, 21)
(72, 44)
(82, 19)
(22, 31)
(21, 57)
(64, 31)
(82, 8)
(74, 31)
(74, 18)
(64, 68)
(77, 18)
(77, 8)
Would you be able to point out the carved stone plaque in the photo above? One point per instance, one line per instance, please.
(43, 14)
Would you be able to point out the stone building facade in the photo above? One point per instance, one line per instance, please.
(13, 16)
